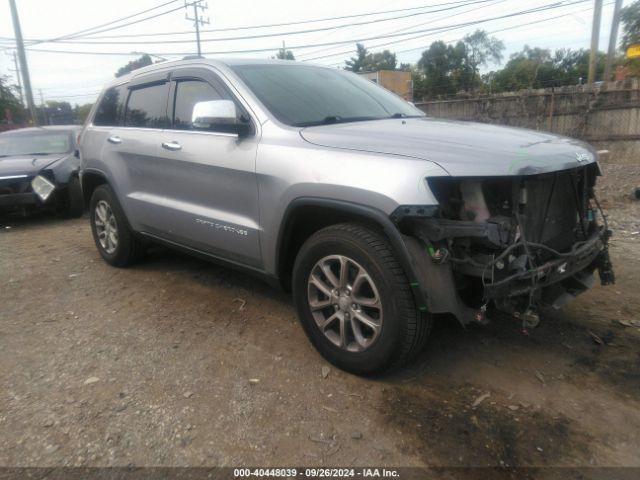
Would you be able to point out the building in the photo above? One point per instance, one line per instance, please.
(397, 81)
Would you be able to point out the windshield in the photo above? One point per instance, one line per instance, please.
(302, 95)
(37, 143)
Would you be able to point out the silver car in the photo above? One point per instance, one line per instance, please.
(377, 217)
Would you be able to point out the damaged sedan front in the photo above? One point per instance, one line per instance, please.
(39, 170)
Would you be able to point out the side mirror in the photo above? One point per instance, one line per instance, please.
(221, 115)
(76, 153)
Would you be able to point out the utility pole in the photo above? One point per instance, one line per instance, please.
(16, 70)
(613, 40)
(22, 56)
(595, 36)
(197, 18)
(43, 108)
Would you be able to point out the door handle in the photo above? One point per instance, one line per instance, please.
(173, 146)
(114, 139)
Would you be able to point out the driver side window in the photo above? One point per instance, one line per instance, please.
(188, 93)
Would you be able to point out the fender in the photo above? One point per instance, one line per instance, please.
(83, 182)
(378, 217)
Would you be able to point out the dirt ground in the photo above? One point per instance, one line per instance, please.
(179, 362)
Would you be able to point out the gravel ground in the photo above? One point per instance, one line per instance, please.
(178, 362)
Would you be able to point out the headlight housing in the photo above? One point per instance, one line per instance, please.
(42, 187)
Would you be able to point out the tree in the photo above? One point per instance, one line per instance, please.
(447, 69)
(357, 63)
(285, 54)
(82, 111)
(443, 69)
(481, 51)
(384, 60)
(371, 62)
(540, 68)
(11, 110)
(522, 70)
(630, 18)
(143, 61)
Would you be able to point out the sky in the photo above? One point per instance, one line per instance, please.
(78, 78)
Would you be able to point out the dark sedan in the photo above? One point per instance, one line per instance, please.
(39, 169)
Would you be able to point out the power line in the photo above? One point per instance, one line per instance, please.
(80, 32)
(151, 17)
(394, 31)
(443, 29)
(274, 34)
(343, 42)
(75, 34)
(75, 96)
(285, 24)
(423, 36)
(501, 29)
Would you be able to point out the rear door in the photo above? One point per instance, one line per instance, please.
(123, 143)
(135, 151)
(207, 184)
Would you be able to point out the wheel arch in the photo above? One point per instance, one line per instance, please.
(89, 181)
(305, 216)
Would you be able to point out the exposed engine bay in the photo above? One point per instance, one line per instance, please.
(518, 243)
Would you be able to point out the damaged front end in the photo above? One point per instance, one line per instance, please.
(518, 243)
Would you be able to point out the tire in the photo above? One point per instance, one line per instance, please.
(74, 206)
(401, 329)
(126, 249)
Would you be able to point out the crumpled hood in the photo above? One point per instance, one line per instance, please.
(461, 148)
(27, 164)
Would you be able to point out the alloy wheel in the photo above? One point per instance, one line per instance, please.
(345, 303)
(106, 227)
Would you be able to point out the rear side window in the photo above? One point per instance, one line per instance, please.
(109, 111)
(147, 107)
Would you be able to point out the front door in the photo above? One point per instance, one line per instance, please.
(207, 182)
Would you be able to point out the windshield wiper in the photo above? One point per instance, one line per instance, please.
(331, 119)
(38, 153)
(403, 115)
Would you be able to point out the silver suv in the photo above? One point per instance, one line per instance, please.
(377, 217)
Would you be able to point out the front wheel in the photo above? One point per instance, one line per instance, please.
(354, 300)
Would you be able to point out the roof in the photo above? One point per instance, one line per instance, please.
(228, 62)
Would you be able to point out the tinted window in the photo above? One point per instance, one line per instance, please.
(147, 107)
(110, 108)
(190, 92)
(304, 95)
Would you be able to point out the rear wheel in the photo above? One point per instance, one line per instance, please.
(354, 300)
(111, 233)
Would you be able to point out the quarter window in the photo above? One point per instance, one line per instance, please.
(146, 107)
(110, 109)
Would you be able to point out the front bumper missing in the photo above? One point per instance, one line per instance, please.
(554, 283)
(592, 254)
